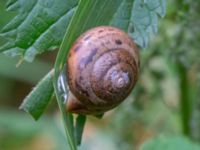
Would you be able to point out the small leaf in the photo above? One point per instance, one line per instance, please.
(39, 26)
(170, 143)
(122, 17)
(80, 123)
(36, 102)
(139, 18)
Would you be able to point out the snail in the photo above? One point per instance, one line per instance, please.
(102, 69)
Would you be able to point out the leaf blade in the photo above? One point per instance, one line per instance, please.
(39, 26)
(38, 99)
(80, 123)
(139, 18)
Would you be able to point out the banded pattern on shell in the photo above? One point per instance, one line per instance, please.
(102, 69)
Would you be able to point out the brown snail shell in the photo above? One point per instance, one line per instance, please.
(102, 69)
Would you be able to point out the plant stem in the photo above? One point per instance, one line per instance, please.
(184, 98)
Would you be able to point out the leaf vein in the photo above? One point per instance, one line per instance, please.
(46, 30)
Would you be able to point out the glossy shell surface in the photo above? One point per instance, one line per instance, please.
(102, 69)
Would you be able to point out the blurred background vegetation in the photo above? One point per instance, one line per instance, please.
(165, 102)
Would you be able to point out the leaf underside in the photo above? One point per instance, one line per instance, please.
(40, 24)
(38, 99)
(139, 18)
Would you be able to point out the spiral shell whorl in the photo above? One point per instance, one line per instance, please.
(102, 69)
(113, 76)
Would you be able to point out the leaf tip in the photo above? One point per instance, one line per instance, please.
(25, 109)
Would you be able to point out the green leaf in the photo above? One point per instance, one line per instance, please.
(139, 18)
(80, 123)
(170, 143)
(36, 102)
(122, 17)
(39, 26)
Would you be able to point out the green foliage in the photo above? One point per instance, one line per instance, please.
(80, 123)
(39, 26)
(180, 35)
(139, 18)
(36, 102)
(170, 143)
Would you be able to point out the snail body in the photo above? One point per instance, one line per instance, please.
(102, 69)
